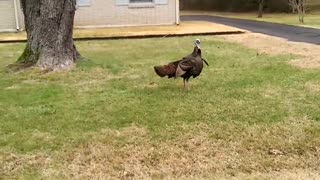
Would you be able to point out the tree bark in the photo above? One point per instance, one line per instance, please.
(261, 4)
(49, 26)
(301, 10)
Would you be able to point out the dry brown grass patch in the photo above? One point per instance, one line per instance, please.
(13, 164)
(226, 151)
(310, 53)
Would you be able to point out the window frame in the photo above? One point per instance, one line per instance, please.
(146, 1)
(83, 4)
(150, 4)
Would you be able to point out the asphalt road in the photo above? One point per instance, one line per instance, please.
(292, 33)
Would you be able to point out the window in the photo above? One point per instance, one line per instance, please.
(141, 4)
(83, 3)
(141, 1)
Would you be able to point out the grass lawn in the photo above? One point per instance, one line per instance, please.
(246, 115)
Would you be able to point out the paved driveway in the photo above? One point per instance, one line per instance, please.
(292, 33)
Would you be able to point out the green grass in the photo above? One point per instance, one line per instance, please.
(243, 102)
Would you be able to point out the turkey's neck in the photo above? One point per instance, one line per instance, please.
(196, 51)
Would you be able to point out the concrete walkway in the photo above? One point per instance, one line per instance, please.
(185, 28)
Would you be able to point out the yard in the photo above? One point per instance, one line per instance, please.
(311, 19)
(248, 115)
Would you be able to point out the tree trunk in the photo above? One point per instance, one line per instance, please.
(49, 26)
(261, 4)
(301, 10)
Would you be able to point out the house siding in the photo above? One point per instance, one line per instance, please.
(107, 13)
(7, 15)
(100, 13)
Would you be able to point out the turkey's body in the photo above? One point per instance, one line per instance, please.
(189, 66)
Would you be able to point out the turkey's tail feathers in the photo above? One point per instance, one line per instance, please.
(166, 70)
(205, 61)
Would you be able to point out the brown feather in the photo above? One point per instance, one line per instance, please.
(167, 70)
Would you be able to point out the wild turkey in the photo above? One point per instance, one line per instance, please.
(188, 66)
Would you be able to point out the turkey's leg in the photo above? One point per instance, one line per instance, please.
(186, 84)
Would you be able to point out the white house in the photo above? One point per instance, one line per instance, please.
(102, 13)
(10, 15)
(95, 13)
